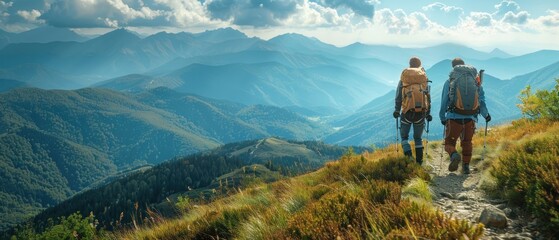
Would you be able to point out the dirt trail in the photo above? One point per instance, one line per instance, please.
(460, 196)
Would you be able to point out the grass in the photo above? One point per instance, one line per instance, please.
(418, 190)
(523, 167)
(352, 198)
(526, 172)
(375, 196)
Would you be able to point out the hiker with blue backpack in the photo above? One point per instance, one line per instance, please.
(462, 101)
(413, 107)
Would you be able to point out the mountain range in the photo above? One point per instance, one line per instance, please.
(287, 70)
(55, 143)
(148, 100)
(42, 34)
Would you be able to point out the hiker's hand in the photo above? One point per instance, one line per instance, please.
(429, 118)
(488, 118)
(443, 122)
(396, 114)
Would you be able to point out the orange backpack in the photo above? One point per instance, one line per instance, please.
(415, 93)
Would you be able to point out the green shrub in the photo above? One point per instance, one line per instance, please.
(71, 227)
(332, 216)
(224, 224)
(375, 211)
(527, 174)
(183, 203)
(390, 169)
(318, 191)
(421, 222)
(542, 104)
(380, 192)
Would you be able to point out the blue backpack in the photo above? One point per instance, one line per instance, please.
(464, 90)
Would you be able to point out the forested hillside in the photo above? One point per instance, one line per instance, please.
(134, 195)
(55, 143)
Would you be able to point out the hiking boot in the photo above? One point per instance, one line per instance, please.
(419, 155)
(465, 168)
(454, 161)
(409, 154)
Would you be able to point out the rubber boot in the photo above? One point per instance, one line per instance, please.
(419, 156)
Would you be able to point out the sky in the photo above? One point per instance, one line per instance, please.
(515, 26)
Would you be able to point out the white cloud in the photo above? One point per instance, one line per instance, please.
(509, 12)
(109, 22)
(550, 20)
(364, 8)
(438, 6)
(480, 19)
(4, 14)
(140, 13)
(130, 13)
(311, 14)
(31, 16)
(394, 21)
(398, 22)
(5, 5)
(419, 21)
(443, 14)
(516, 18)
(476, 21)
(186, 13)
(505, 7)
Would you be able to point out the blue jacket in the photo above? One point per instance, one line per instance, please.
(445, 101)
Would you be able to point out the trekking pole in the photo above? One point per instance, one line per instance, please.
(397, 136)
(427, 141)
(484, 138)
(442, 150)
(484, 142)
(428, 94)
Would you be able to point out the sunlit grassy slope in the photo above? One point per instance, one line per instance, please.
(356, 197)
(369, 196)
(525, 169)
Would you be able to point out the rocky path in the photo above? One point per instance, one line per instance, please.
(460, 196)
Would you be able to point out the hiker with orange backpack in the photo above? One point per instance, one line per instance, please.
(462, 101)
(413, 105)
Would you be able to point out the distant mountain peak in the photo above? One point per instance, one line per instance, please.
(301, 42)
(500, 53)
(293, 36)
(169, 35)
(226, 30)
(356, 44)
(48, 34)
(117, 35)
(444, 64)
(122, 32)
(450, 45)
(221, 35)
